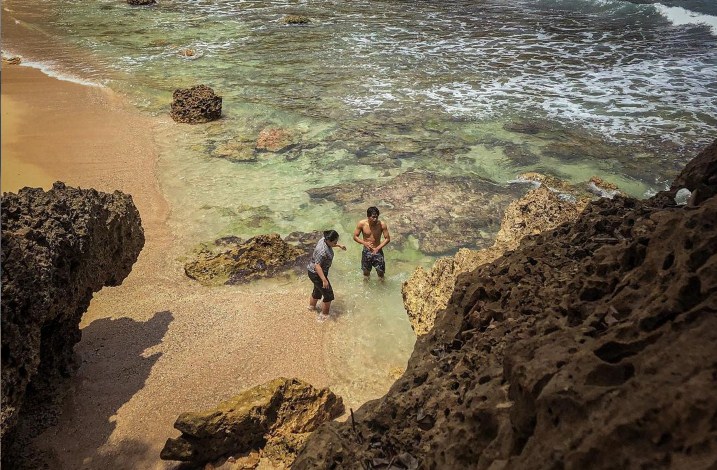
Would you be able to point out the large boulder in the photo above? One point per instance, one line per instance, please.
(592, 345)
(444, 213)
(196, 105)
(231, 260)
(277, 415)
(58, 247)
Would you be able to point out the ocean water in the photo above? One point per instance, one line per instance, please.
(626, 91)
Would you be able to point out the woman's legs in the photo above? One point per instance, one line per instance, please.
(312, 302)
(325, 307)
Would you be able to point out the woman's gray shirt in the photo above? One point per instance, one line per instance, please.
(323, 256)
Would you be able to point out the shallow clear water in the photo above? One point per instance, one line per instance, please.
(624, 91)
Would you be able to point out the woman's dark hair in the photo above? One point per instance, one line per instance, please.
(331, 235)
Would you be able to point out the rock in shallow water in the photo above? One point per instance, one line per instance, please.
(231, 260)
(195, 105)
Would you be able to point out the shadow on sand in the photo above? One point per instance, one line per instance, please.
(114, 366)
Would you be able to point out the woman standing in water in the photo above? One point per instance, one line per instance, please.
(319, 270)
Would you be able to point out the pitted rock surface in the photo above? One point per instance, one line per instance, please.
(231, 260)
(426, 292)
(592, 345)
(276, 416)
(444, 213)
(195, 105)
(58, 247)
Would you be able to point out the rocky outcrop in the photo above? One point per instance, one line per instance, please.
(444, 213)
(426, 292)
(196, 105)
(295, 19)
(58, 247)
(699, 177)
(14, 60)
(592, 345)
(276, 417)
(231, 260)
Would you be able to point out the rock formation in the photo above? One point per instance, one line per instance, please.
(141, 2)
(296, 19)
(426, 293)
(276, 417)
(592, 345)
(232, 260)
(58, 247)
(196, 105)
(15, 60)
(445, 213)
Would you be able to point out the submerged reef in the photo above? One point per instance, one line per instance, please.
(590, 345)
(58, 248)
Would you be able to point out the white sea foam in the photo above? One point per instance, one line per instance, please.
(52, 70)
(680, 16)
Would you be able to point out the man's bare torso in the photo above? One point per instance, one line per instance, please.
(372, 234)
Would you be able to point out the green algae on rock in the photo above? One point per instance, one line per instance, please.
(231, 260)
(279, 414)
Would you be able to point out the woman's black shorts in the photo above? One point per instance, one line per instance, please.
(319, 291)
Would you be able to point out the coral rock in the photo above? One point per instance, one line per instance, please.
(233, 261)
(426, 293)
(591, 345)
(196, 105)
(58, 247)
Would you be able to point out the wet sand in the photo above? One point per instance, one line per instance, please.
(159, 344)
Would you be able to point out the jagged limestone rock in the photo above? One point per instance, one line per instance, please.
(277, 414)
(195, 105)
(58, 247)
(426, 292)
(592, 345)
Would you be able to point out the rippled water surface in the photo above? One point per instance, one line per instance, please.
(488, 89)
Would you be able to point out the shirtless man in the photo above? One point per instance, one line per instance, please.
(371, 229)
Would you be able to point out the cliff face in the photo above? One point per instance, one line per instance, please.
(592, 345)
(58, 248)
(426, 293)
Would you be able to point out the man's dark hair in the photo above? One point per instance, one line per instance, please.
(372, 211)
(331, 235)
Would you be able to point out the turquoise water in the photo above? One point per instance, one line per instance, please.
(372, 89)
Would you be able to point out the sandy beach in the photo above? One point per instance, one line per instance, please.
(159, 344)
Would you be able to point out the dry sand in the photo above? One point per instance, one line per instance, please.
(159, 344)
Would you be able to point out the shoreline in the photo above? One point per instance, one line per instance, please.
(159, 344)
